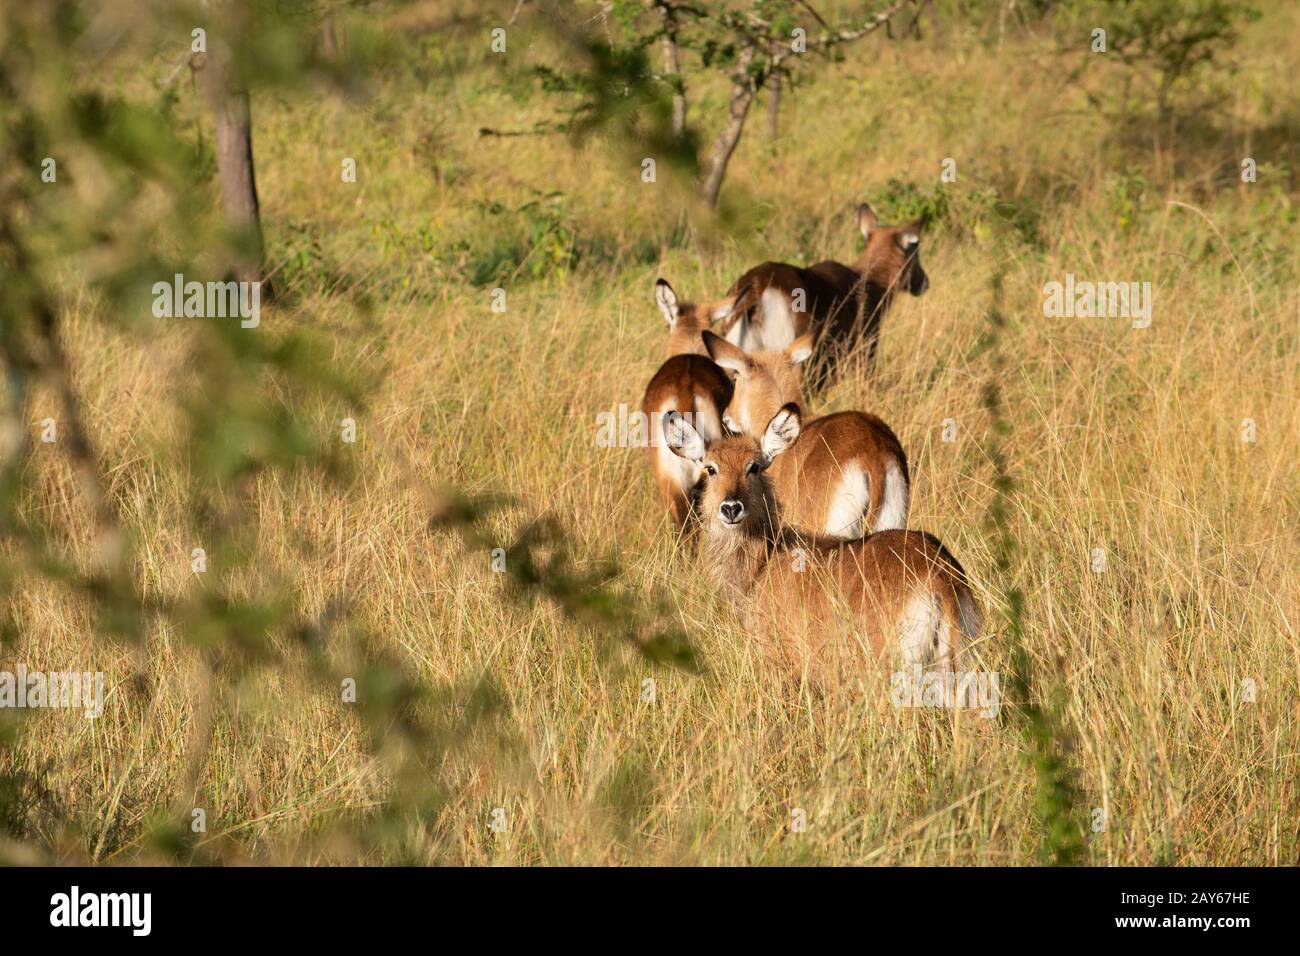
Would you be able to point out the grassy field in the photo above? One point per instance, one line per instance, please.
(1121, 439)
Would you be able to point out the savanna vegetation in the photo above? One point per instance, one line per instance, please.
(358, 674)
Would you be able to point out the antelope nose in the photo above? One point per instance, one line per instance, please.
(732, 511)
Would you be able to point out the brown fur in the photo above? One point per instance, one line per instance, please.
(688, 382)
(844, 304)
(809, 476)
(684, 337)
(824, 607)
(852, 598)
(687, 320)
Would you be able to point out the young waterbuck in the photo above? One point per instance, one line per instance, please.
(818, 604)
(688, 383)
(841, 305)
(847, 474)
(687, 321)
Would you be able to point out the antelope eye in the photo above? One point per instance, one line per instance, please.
(754, 467)
(711, 470)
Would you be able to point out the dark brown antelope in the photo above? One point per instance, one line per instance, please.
(847, 474)
(820, 605)
(689, 383)
(841, 305)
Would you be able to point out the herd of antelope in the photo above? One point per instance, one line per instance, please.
(802, 518)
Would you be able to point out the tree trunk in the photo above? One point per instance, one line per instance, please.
(914, 27)
(329, 49)
(333, 37)
(232, 120)
(673, 67)
(774, 107)
(742, 96)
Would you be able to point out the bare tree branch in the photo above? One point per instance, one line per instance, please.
(870, 25)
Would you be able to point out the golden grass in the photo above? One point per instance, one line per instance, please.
(1122, 439)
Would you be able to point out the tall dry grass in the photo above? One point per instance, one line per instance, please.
(1121, 439)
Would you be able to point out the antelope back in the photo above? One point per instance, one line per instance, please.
(899, 595)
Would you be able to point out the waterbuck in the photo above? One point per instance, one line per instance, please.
(846, 475)
(841, 305)
(689, 383)
(821, 606)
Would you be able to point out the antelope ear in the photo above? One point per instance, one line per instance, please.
(724, 353)
(782, 430)
(682, 438)
(866, 220)
(667, 300)
(720, 309)
(801, 349)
